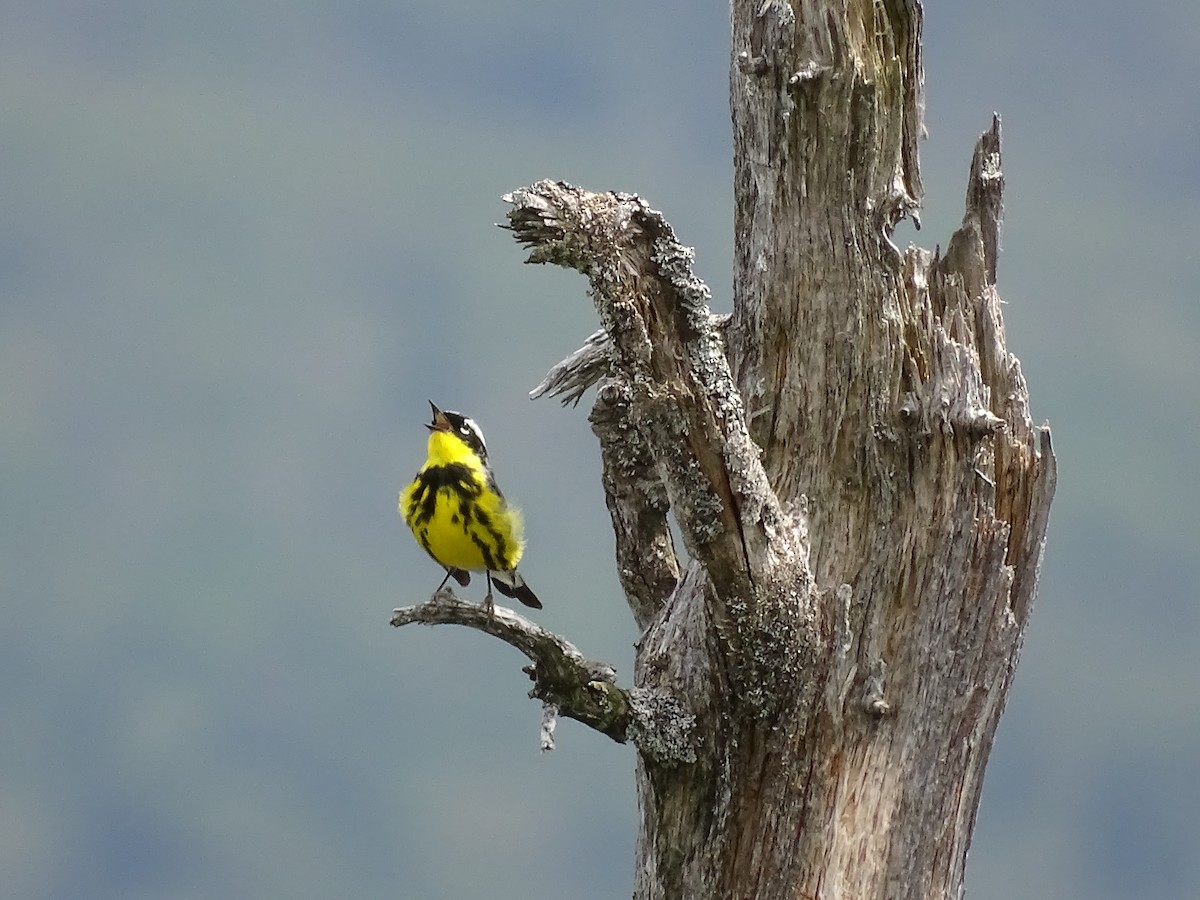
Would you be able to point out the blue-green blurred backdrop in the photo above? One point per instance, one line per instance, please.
(242, 242)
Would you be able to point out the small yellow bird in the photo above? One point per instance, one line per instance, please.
(457, 513)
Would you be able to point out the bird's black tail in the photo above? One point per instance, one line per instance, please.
(511, 584)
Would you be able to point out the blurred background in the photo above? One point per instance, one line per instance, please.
(241, 243)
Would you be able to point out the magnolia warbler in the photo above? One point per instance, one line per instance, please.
(457, 513)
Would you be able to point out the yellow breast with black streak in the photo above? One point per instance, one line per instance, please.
(457, 513)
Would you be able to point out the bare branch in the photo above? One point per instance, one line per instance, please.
(580, 688)
(667, 349)
(571, 377)
(567, 682)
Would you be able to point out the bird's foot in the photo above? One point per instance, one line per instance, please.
(489, 605)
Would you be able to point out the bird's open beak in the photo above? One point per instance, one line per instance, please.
(440, 422)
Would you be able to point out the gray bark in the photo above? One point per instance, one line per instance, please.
(853, 468)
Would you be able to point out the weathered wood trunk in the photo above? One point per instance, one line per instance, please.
(845, 759)
(851, 462)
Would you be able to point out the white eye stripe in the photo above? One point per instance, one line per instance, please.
(470, 433)
(470, 428)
